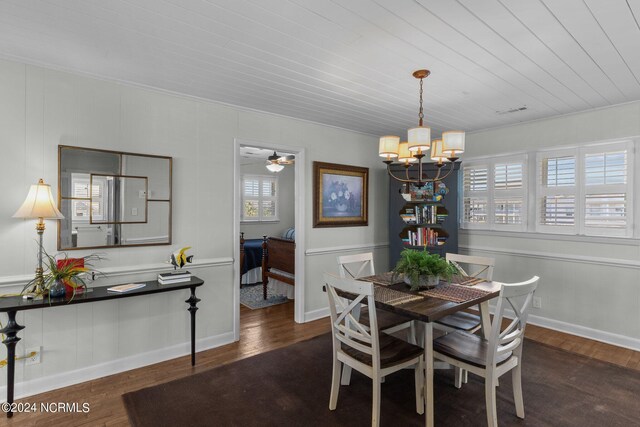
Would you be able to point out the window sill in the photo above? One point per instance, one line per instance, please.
(627, 241)
(258, 221)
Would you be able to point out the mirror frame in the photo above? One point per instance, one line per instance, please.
(120, 153)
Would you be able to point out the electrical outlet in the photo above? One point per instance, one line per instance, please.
(537, 302)
(35, 359)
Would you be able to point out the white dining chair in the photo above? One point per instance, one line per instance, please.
(363, 347)
(361, 265)
(501, 353)
(471, 266)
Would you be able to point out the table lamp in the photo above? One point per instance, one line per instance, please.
(39, 205)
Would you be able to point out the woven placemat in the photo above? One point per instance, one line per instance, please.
(383, 279)
(393, 297)
(455, 293)
(459, 279)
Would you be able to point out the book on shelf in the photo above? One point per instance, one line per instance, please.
(126, 288)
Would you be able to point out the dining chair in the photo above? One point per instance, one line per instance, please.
(361, 265)
(363, 347)
(476, 267)
(501, 353)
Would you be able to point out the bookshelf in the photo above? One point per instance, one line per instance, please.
(422, 222)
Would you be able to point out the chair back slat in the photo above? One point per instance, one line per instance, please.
(356, 266)
(517, 296)
(345, 325)
(477, 266)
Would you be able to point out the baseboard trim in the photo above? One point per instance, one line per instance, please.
(349, 248)
(22, 280)
(585, 332)
(320, 313)
(65, 379)
(577, 330)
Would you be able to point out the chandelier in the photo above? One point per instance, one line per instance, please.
(444, 150)
(276, 163)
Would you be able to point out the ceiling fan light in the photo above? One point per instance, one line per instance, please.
(389, 146)
(453, 141)
(275, 167)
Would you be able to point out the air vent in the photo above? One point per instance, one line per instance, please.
(512, 110)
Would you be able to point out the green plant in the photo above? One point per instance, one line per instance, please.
(414, 264)
(61, 268)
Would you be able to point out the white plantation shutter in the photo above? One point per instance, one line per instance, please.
(557, 177)
(607, 190)
(494, 193)
(509, 193)
(586, 190)
(259, 198)
(475, 196)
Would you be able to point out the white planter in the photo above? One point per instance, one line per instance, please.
(423, 281)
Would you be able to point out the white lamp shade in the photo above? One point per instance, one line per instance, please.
(404, 155)
(436, 151)
(39, 203)
(389, 146)
(453, 143)
(275, 167)
(419, 138)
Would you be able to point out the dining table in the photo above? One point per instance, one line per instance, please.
(430, 305)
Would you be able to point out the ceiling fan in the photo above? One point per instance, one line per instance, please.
(276, 163)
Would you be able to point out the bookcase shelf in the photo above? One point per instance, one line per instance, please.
(430, 217)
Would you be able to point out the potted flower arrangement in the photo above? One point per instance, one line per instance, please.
(62, 273)
(422, 269)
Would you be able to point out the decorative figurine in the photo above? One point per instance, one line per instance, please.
(179, 259)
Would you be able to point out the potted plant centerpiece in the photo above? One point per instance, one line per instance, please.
(422, 269)
(62, 273)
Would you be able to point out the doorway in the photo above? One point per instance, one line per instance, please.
(269, 202)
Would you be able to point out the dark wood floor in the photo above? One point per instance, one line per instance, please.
(261, 331)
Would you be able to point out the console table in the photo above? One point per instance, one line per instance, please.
(12, 305)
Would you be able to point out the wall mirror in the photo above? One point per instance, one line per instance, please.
(112, 198)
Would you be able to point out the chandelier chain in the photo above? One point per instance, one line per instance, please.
(421, 113)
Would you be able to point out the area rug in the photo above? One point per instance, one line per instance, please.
(251, 296)
(290, 387)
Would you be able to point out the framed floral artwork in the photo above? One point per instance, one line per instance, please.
(340, 195)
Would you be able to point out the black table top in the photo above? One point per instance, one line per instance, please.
(98, 293)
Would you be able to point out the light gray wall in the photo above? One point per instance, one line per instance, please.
(41, 108)
(286, 199)
(589, 286)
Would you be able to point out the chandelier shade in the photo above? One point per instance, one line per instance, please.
(436, 151)
(389, 146)
(453, 143)
(419, 138)
(404, 155)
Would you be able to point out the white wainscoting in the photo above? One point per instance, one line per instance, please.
(348, 248)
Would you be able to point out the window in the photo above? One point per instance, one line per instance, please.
(586, 190)
(82, 199)
(494, 193)
(259, 198)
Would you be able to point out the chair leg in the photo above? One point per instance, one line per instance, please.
(419, 380)
(465, 376)
(490, 399)
(517, 390)
(375, 410)
(346, 375)
(459, 375)
(335, 384)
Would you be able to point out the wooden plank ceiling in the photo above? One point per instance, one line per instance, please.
(348, 63)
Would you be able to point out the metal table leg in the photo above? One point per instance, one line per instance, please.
(11, 332)
(193, 301)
